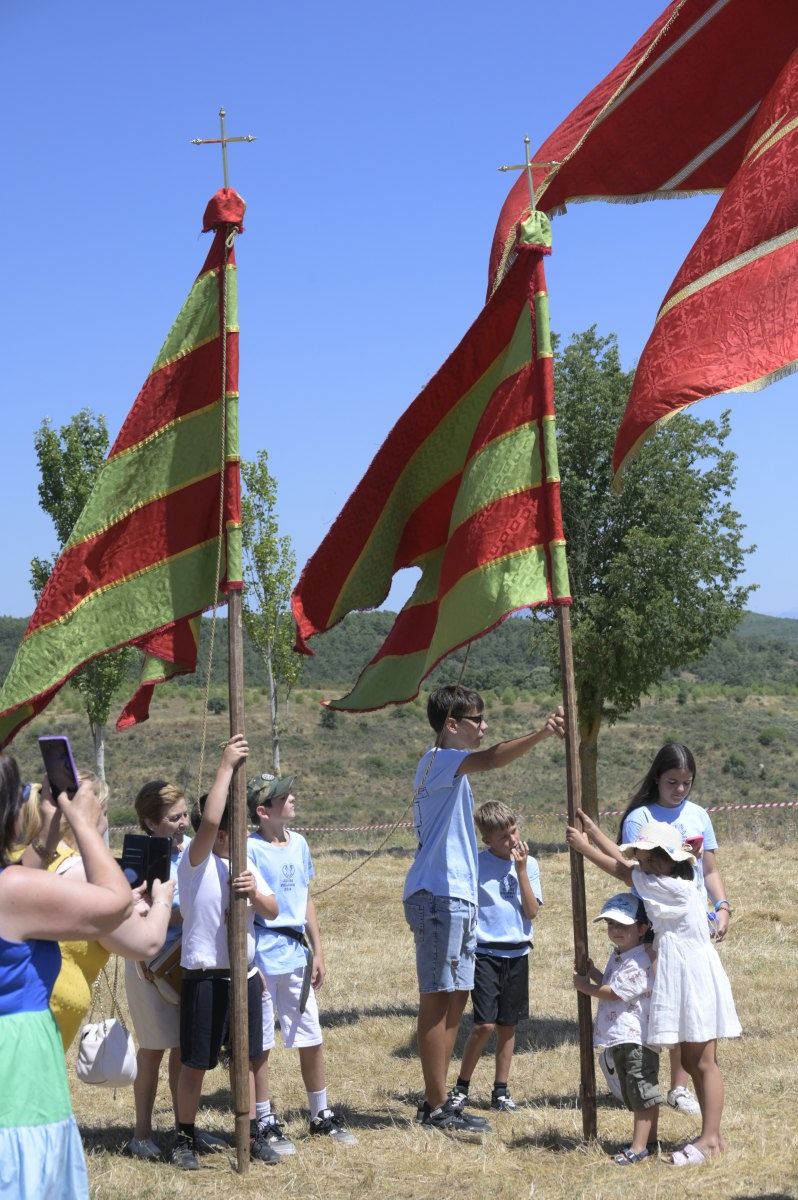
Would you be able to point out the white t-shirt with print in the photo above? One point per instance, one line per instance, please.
(630, 974)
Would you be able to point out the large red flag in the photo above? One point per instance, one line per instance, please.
(141, 563)
(729, 321)
(672, 118)
(704, 102)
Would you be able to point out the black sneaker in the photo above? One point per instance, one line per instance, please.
(183, 1155)
(328, 1125)
(272, 1131)
(502, 1101)
(458, 1098)
(261, 1151)
(452, 1120)
(209, 1143)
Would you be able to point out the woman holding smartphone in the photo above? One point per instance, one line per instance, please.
(53, 848)
(40, 1148)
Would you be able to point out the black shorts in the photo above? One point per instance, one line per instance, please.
(501, 990)
(204, 1013)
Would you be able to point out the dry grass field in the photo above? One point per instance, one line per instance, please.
(368, 1007)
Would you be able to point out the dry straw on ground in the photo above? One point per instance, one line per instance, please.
(368, 1006)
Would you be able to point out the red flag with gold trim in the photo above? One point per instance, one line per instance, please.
(729, 321)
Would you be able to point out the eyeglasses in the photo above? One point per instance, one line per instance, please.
(479, 720)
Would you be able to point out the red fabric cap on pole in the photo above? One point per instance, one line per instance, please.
(225, 208)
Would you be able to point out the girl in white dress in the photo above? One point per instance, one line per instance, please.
(691, 1002)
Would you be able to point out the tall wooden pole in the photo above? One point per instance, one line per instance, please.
(237, 922)
(237, 800)
(587, 1091)
(574, 784)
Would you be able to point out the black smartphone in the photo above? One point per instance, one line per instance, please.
(59, 764)
(145, 859)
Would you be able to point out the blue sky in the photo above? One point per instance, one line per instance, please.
(372, 196)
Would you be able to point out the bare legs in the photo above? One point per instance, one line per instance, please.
(700, 1059)
(679, 1076)
(439, 1016)
(477, 1040)
(644, 1127)
(145, 1087)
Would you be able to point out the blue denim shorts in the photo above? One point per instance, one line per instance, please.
(445, 933)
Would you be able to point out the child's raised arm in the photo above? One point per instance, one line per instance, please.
(611, 861)
(233, 755)
(503, 753)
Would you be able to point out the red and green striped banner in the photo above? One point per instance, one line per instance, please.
(465, 488)
(140, 564)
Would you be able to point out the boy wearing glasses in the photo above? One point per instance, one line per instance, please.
(440, 895)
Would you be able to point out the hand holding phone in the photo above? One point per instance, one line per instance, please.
(59, 765)
(145, 859)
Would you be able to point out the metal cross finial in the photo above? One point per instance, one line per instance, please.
(527, 166)
(222, 141)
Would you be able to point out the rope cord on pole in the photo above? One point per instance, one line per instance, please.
(228, 244)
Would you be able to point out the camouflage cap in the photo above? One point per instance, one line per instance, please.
(264, 788)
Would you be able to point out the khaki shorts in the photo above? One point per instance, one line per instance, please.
(637, 1068)
(155, 1022)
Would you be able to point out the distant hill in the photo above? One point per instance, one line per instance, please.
(761, 655)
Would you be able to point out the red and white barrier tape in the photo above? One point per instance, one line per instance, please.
(613, 812)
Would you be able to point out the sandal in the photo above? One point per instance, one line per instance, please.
(690, 1156)
(629, 1157)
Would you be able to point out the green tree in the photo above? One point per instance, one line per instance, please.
(269, 570)
(69, 460)
(653, 569)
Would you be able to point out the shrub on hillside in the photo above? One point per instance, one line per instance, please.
(328, 718)
(770, 734)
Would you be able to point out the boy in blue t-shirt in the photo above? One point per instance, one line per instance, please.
(509, 898)
(440, 895)
(290, 957)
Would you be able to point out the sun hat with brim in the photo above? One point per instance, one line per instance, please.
(625, 908)
(659, 836)
(264, 788)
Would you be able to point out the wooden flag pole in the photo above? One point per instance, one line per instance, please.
(237, 808)
(237, 923)
(578, 906)
(587, 1091)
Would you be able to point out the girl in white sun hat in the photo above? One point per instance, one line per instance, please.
(691, 1001)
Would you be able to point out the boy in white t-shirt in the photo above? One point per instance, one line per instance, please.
(440, 894)
(510, 896)
(204, 882)
(621, 1025)
(289, 954)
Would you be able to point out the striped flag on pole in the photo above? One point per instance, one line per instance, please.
(141, 563)
(465, 488)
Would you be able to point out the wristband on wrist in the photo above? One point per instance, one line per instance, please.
(719, 904)
(163, 904)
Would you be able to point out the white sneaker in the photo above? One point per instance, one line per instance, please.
(683, 1100)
